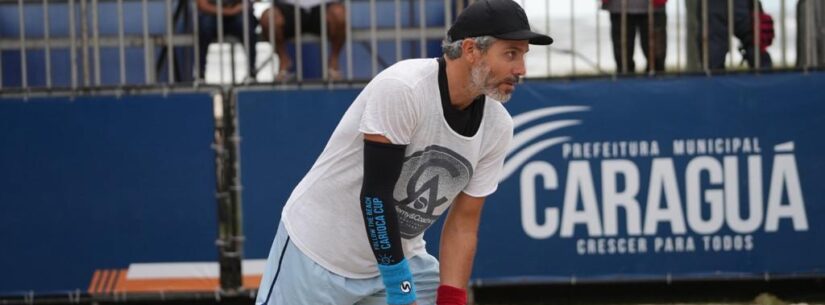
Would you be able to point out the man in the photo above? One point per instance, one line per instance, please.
(423, 135)
(637, 20)
(233, 24)
(281, 18)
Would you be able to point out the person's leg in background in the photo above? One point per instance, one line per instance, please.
(659, 42)
(208, 30)
(743, 30)
(717, 27)
(616, 36)
(280, 18)
(234, 26)
(337, 30)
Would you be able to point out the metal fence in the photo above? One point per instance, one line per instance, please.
(164, 35)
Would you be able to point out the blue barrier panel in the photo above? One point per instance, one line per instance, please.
(102, 182)
(282, 133)
(608, 180)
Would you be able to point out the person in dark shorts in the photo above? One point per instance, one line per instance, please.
(283, 18)
(233, 24)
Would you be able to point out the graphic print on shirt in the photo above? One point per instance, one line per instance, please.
(429, 181)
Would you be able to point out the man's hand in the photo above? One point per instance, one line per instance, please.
(233, 10)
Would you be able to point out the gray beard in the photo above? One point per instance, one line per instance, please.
(481, 81)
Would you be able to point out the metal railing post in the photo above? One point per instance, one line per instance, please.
(324, 39)
(170, 47)
(121, 47)
(397, 30)
(299, 44)
(422, 27)
(757, 52)
(48, 41)
(84, 41)
(348, 7)
(23, 64)
(148, 50)
(96, 42)
(373, 38)
(705, 48)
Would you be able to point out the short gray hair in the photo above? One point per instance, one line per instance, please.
(453, 48)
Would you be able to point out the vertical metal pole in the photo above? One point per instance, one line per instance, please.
(84, 36)
(598, 38)
(72, 44)
(273, 42)
(784, 34)
(120, 43)
(705, 53)
(756, 39)
(47, 37)
(23, 64)
(197, 45)
(219, 16)
(448, 13)
(651, 38)
(348, 6)
(422, 27)
(678, 36)
(170, 47)
(810, 31)
(324, 40)
(397, 30)
(623, 39)
(96, 41)
(1, 69)
(730, 34)
(547, 28)
(246, 40)
(148, 56)
(299, 48)
(573, 35)
(230, 226)
(373, 38)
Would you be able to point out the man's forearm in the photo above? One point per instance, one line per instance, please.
(458, 240)
(458, 248)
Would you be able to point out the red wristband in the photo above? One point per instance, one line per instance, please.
(449, 295)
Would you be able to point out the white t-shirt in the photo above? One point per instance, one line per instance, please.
(323, 215)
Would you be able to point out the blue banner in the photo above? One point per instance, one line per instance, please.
(690, 177)
(101, 182)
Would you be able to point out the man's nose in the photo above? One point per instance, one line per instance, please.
(519, 70)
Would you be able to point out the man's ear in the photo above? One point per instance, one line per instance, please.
(469, 50)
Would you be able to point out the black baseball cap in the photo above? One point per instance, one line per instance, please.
(503, 19)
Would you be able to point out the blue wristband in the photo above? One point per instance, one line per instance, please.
(398, 282)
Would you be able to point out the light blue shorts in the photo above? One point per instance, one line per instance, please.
(292, 278)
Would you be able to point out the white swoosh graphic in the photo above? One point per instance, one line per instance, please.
(528, 116)
(534, 132)
(518, 159)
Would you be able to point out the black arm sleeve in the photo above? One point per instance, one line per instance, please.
(382, 166)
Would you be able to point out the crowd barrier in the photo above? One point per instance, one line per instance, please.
(648, 179)
(99, 183)
(638, 179)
